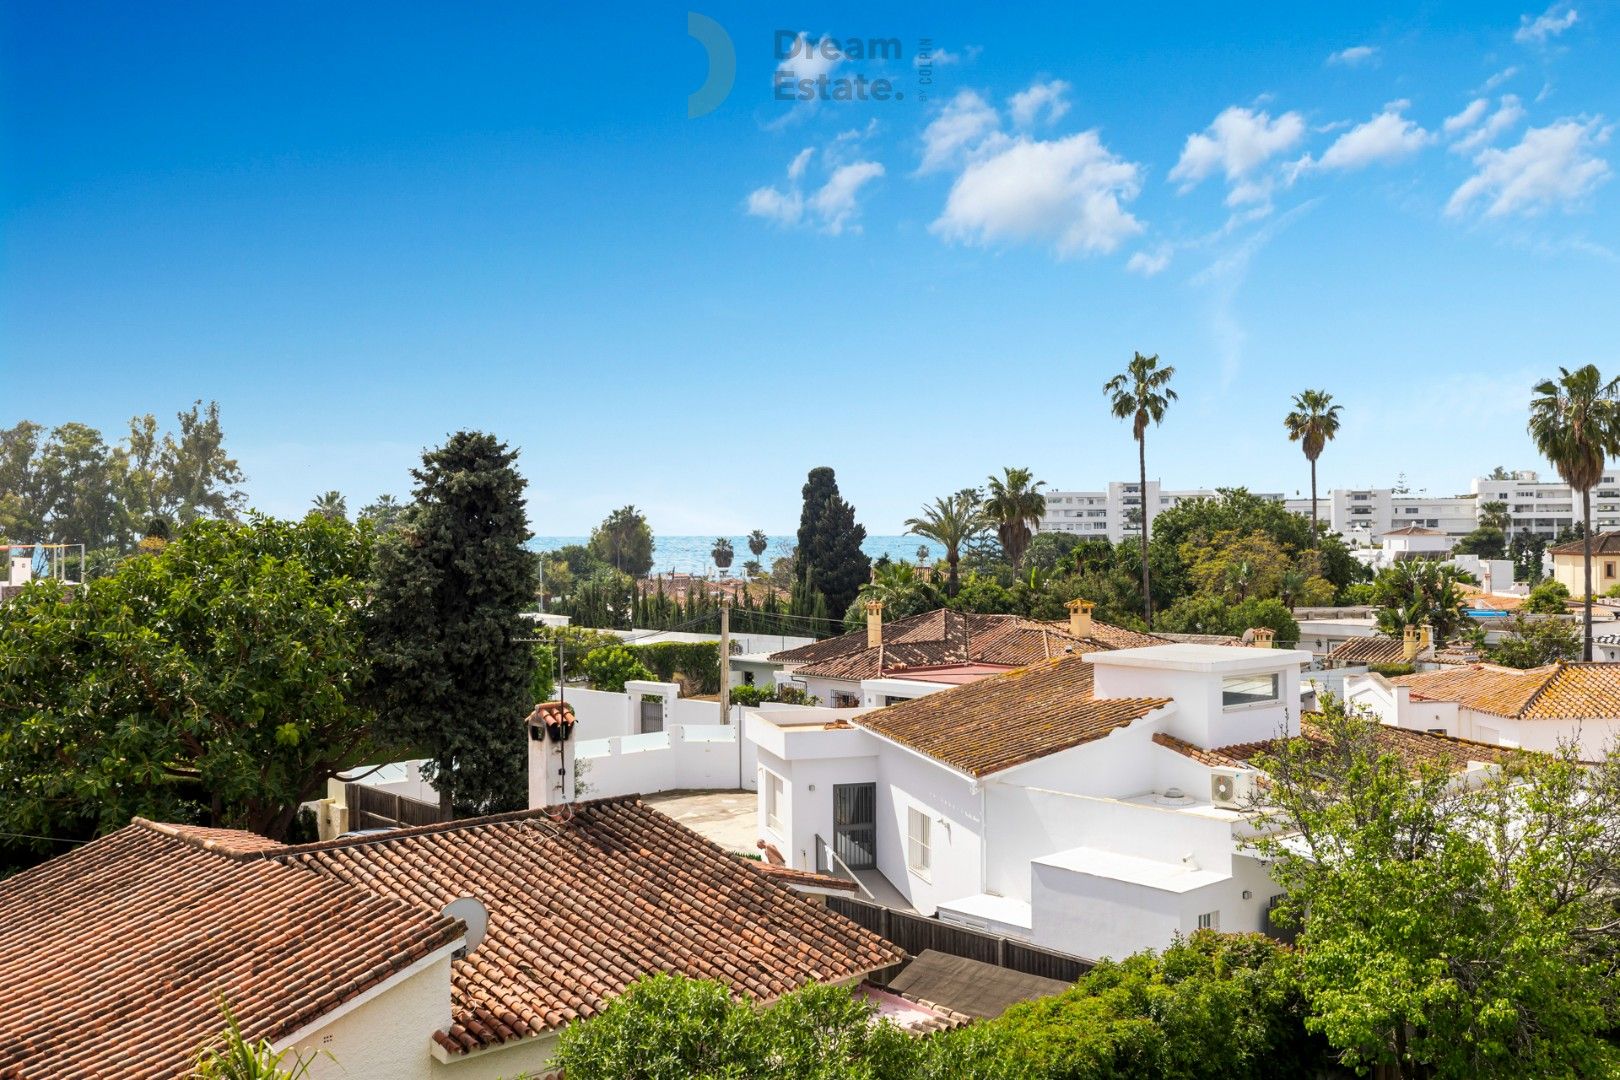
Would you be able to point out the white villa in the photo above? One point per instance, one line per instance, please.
(1070, 803)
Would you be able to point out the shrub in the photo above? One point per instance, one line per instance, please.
(611, 667)
(1548, 598)
(698, 661)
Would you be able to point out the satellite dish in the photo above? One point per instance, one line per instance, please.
(470, 910)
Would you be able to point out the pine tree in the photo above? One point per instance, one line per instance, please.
(830, 565)
(453, 672)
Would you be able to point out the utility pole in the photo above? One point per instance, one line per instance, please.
(725, 660)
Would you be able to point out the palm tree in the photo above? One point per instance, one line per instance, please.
(758, 542)
(1015, 504)
(950, 522)
(1141, 394)
(752, 568)
(1494, 515)
(1312, 424)
(1575, 422)
(722, 553)
(331, 505)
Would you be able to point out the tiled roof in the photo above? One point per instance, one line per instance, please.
(113, 957)
(1555, 692)
(1603, 543)
(1373, 649)
(580, 908)
(1006, 720)
(943, 636)
(557, 716)
(1412, 747)
(790, 876)
(1415, 530)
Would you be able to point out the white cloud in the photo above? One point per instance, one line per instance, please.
(1148, 263)
(1354, 56)
(833, 206)
(937, 58)
(835, 203)
(1549, 24)
(1067, 192)
(1385, 137)
(1499, 78)
(963, 124)
(1551, 166)
(1237, 142)
(1467, 118)
(1508, 113)
(1026, 106)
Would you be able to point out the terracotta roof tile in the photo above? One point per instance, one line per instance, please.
(1603, 543)
(1006, 720)
(1582, 691)
(581, 907)
(789, 876)
(114, 956)
(1412, 747)
(1373, 649)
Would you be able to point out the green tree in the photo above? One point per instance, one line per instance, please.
(1534, 642)
(829, 562)
(610, 667)
(1236, 566)
(1527, 551)
(454, 673)
(902, 591)
(1418, 591)
(221, 679)
(1494, 515)
(78, 479)
(330, 504)
(1208, 614)
(951, 522)
(1486, 541)
(624, 541)
(722, 553)
(1015, 505)
(1141, 394)
(1447, 929)
(1547, 598)
(1575, 423)
(185, 474)
(758, 542)
(385, 514)
(1313, 424)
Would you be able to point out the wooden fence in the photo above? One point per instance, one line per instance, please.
(915, 934)
(370, 808)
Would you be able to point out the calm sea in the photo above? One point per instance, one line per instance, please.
(690, 554)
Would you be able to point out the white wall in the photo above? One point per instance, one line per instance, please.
(388, 1037)
(905, 780)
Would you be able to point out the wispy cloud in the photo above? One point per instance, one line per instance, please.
(1149, 263)
(1354, 56)
(961, 126)
(833, 207)
(1048, 98)
(1471, 137)
(1386, 137)
(1238, 143)
(1551, 167)
(1546, 26)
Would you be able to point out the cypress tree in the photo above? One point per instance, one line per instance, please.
(453, 672)
(830, 563)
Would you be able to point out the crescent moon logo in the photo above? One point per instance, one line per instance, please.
(722, 64)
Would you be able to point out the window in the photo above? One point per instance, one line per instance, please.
(1608, 569)
(1209, 920)
(1250, 689)
(841, 700)
(918, 854)
(773, 801)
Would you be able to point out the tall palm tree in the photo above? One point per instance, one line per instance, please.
(1141, 394)
(1494, 515)
(1312, 424)
(331, 504)
(722, 553)
(1575, 422)
(950, 522)
(1015, 505)
(758, 542)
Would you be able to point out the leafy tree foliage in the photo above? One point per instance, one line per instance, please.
(385, 514)
(1488, 542)
(1533, 642)
(454, 676)
(1418, 591)
(952, 522)
(1527, 551)
(829, 567)
(1449, 929)
(902, 591)
(331, 504)
(623, 541)
(1205, 614)
(609, 668)
(1550, 597)
(222, 679)
(758, 542)
(723, 553)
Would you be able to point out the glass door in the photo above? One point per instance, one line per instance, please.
(855, 824)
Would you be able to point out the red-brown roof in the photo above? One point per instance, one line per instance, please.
(1603, 543)
(580, 908)
(789, 876)
(1006, 720)
(1412, 747)
(944, 636)
(113, 957)
(1584, 691)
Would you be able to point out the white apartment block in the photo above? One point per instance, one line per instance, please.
(1112, 514)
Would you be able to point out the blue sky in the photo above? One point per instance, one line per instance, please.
(361, 227)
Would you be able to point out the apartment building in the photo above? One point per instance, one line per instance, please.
(1115, 512)
(1548, 507)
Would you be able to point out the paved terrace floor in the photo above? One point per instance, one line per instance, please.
(729, 818)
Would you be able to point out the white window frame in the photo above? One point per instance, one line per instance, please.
(775, 793)
(1276, 691)
(919, 842)
(1210, 920)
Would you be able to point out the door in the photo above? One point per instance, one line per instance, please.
(855, 824)
(652, 714)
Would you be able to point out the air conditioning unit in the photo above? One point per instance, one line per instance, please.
(1231, 789)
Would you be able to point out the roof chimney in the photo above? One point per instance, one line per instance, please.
(1410, 643)
(1425, 636)
(1264, 638)
(874, 624)
(1080, 618)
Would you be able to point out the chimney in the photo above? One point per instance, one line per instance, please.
(1264, 638)
(1425, 636)
(874, 624)
(1410, 644)
(1080, 618)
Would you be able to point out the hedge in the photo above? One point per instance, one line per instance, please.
(699, 662)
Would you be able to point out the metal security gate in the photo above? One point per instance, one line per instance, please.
(855, 824)
(652, 714)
